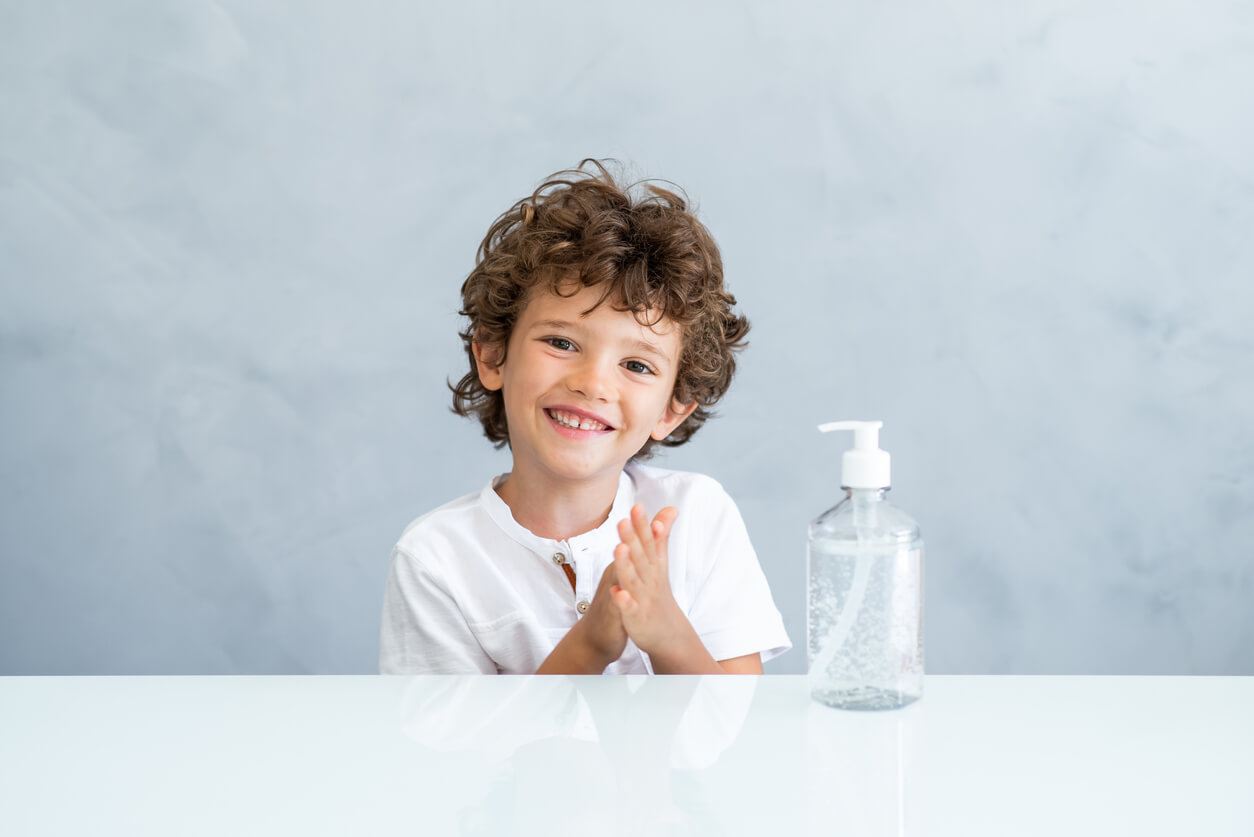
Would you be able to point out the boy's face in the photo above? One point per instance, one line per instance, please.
(584, 393)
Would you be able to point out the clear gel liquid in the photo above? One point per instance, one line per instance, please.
(865, 622)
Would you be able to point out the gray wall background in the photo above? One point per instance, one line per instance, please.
(232, 235)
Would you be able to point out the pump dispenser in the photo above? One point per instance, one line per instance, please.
(864, 465)
(865, 605)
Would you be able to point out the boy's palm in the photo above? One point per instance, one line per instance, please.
(643, 594)
(604, 625)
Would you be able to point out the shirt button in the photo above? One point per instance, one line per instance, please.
(582, 607)
(559, 558)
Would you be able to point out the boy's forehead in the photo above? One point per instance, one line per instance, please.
(576, 303)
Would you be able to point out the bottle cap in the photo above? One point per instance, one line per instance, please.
(864, 465)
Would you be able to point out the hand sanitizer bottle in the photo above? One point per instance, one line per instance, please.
(865, 606)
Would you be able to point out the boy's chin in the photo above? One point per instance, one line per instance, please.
(584, 470)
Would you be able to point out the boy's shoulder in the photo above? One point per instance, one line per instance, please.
(678, 485)
(454, 519)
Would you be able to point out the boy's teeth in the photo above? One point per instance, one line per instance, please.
(570, 420)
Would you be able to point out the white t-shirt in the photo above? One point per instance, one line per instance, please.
(471, 590)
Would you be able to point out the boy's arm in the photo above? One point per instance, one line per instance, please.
(595, 641)
(687, 655)
(650, 614)
(748, 664)
(423, 631)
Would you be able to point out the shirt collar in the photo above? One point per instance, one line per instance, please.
(601, 539)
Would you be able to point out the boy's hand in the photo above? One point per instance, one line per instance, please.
(595, 641)
(643, 596)
(602, 624)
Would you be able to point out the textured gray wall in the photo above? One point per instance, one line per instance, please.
(232, 233)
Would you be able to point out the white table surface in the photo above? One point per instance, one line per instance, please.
(614, 755)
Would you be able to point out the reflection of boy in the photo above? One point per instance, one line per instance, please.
(601, 735)
(599, 329)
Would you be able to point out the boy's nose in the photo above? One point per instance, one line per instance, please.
(591, 380)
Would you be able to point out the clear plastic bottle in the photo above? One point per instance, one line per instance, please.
(865, 605)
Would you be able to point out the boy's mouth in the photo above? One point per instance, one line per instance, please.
(576, 421)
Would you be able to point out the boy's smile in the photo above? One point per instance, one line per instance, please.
(576, 423)
(583, 393)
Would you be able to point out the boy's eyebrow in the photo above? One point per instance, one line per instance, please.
(647, 348)
(642, 346)
(557, 324)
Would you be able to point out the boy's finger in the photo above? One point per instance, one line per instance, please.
(639, 554)
(661, 529)
(608, 579)
(628, 535)
(667, 518)
(622, 599)
(640, 521)
(625, 567)
(657, 535)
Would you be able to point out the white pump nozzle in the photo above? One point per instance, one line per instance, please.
(864, 465)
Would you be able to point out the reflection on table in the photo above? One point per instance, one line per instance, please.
(622, 755)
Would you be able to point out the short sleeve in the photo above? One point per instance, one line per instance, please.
(732, 610)
(423, 629)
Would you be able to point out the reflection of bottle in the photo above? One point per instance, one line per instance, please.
(865, 606)
(863, 772)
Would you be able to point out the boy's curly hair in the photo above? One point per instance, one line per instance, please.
(648, 252)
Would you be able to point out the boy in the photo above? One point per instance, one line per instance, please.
(599, 329)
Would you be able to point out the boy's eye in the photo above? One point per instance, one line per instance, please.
(638, 367)
(560, 343)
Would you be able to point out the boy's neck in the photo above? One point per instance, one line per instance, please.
(558, 510)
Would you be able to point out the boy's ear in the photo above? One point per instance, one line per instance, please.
(674, 416)
(488, 364)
